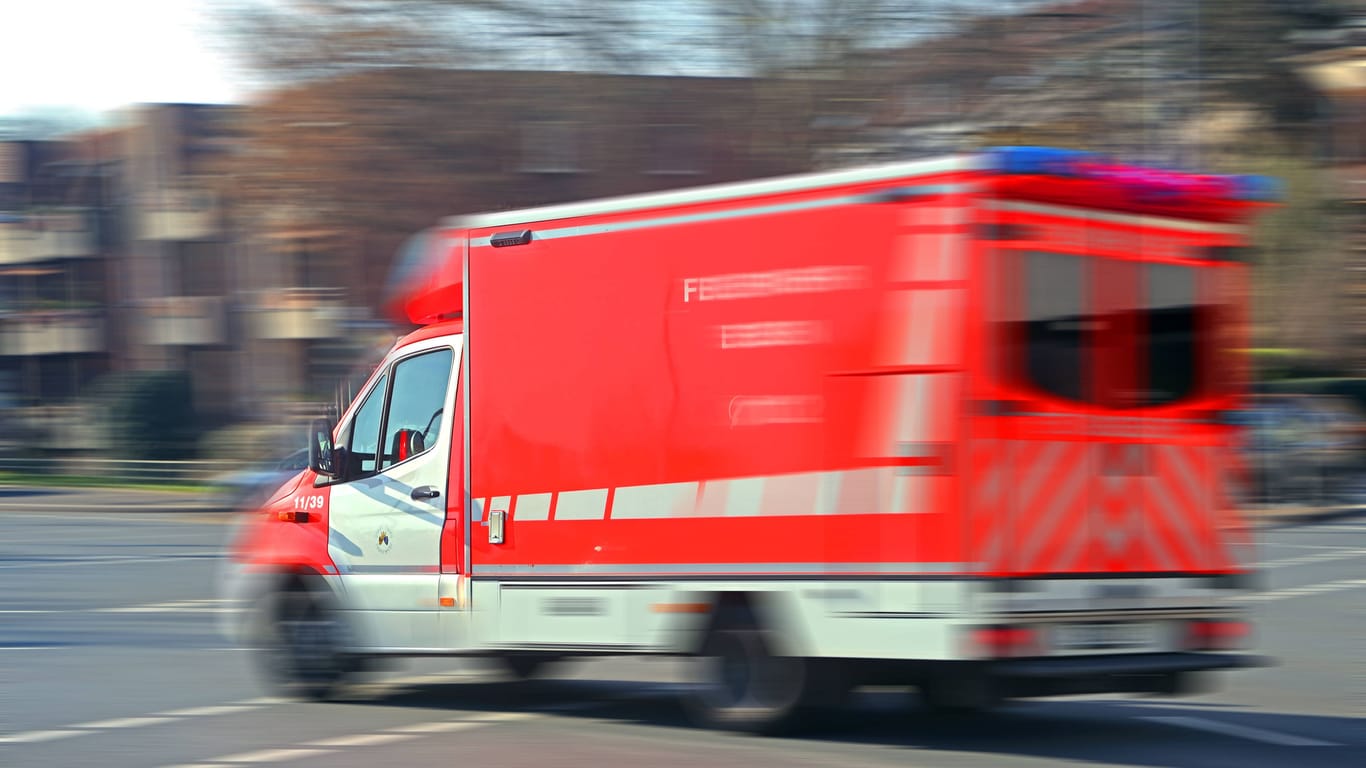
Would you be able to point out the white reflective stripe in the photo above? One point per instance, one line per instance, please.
(533, 506)
(870, 490)
(923, 327)
(739, 497)
(912, 414)
(582, 505)
(644, 501)
(930, 257)
(866, 490)
(911, 494)
(500, 503)
(793, 494)
(828, 499)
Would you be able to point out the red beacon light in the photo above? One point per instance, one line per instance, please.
(427, 283)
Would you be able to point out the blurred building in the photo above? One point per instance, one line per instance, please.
(56, 253)
(248, 245)
(1337, 71)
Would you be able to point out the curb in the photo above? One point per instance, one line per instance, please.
(1304, 516)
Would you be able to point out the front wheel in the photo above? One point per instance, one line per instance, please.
(302, 644)
(740, 685)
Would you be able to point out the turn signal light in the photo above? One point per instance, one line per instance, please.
(293, 516)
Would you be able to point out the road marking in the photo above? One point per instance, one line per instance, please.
(1241, 731)
(149, 518)
(125, 722)
(1336, 528)
(219, 709)
(271, 755)
(1318, 557)
(33, 736)
(363, 740)
(114, 560)
(334, 744)
(437, 727)
(205, 605)
(139, 721)
(1307, 589)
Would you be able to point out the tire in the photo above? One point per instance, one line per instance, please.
(302, 644)
(740, 685)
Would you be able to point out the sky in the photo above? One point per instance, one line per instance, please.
(96, 55)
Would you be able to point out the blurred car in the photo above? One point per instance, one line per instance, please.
(250, 488)
(1304, 448)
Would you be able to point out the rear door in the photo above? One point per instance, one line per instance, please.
(1094, 450)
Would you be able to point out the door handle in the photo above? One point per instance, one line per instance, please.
(425, 492)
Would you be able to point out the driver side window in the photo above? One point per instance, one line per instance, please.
(363, 443)
(413, 418)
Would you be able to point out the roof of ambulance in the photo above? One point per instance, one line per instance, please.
(721, 192)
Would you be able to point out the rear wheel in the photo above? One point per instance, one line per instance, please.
(742, 685)
(302, 644)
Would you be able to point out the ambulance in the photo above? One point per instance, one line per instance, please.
(962, 424)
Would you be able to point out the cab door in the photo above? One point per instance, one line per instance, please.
(389, 505)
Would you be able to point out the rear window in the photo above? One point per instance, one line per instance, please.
(1103, 331)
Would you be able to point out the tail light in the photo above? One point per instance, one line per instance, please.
(1216, 635)
(1002, 642)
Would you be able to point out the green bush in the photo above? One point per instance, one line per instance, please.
(147, 414)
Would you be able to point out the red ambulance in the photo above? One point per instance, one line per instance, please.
(959, 423)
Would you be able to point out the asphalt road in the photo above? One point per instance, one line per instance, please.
(110, 657)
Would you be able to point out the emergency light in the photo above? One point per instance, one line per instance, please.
(1149, 184)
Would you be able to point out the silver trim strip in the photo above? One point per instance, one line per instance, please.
(720, 192)
(721, 569)
(691, 218)
(1132, 219)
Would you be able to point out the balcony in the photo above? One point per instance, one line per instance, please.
(40, 237)
(51, 332)
(298, 313)
(185, 321)
(178, 213)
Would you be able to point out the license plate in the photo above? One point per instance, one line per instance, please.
(1101, 636)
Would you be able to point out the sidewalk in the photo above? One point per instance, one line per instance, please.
(1287, 515)
(35, 498)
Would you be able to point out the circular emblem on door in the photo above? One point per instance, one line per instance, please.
(382, 540)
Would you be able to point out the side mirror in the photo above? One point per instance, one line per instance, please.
(408, 443)
(321, 453)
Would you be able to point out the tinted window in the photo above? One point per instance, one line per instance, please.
(1172, 314)
(1121, 334)
(417, 405)
(1056, 323)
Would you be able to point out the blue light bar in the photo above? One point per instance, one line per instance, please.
(1037, 160)
(1149, 183)
(1258, 189)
